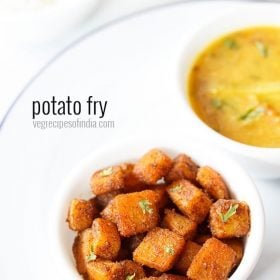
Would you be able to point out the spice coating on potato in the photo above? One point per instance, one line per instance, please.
(82, 249)
(159, 249)
(179, 224)
(229, 219)
(107, 180)
(160, 190)
(132, 270)
(110, 212)
(187, 256)
(81, 214)
(237, 245)
(152, 166)
(183, 167)
(214, 261)
(131, 182)
(190, 200)
(133, 212)
(106, 239)
(212, 182)
(104, 270)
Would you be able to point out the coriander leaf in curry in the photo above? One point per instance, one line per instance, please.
(231, 44)
(262, 48)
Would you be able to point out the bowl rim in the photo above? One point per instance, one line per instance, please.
(191, 49)
(57, 215)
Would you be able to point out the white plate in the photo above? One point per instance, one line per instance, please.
(44, 22)
(131, 64)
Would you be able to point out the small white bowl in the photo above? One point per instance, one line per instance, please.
(76, 185)
(260, 162)
(46, 23)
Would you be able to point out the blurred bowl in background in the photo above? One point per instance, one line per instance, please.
(41, 21)
(261, 162)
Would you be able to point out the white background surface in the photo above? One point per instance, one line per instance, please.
(20, 62)
(20, 158)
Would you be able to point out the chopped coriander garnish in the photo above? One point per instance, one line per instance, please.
(130, 277)
(252, 114)
(231, 44)
(231, 211)
(145, 206)
(169, 250)
(91, 256)
(107, 172)
(262, 48)
(217, 103)
(176, 188)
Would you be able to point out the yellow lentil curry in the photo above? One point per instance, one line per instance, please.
(234, 86)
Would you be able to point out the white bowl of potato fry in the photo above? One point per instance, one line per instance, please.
(78, 186)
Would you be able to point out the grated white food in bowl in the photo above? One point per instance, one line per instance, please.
(7, 6)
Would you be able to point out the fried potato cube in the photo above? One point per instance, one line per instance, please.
(214, 261)
(81, 214)
(162, 197)
(237, 245)
(104, 270)
(133, 212)
(132, 270)
(190, 200)
(183, 167)
(82, 250)
(187, 256)
(107, 180)
(106, 239)
(131, 182)
(212, 182)
(103, 200)
(152, 166)
(110, 212)
(229, 219)
(159, 249)
(179, 224)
